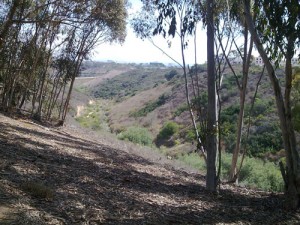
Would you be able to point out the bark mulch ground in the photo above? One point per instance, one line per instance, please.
(55, 176)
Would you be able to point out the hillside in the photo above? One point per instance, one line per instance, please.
(67, 176)
(149, 97)
(147, 105)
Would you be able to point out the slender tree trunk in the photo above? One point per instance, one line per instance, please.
(199, 141)
(52, 97)
(212, 143)
(61, 108)
(243, 90)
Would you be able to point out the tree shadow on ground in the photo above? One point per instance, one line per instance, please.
(95, 184)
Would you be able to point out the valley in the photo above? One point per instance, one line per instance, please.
(139, 104)
(128, 158)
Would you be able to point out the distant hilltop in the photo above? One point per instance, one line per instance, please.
(111, 62)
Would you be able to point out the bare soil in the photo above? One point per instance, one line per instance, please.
(69, 176)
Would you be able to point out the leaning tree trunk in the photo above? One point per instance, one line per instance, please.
(233, 176)
(291, 175)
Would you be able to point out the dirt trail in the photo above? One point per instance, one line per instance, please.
(66, 176)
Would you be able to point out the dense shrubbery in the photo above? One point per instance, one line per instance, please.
(138, 135)
(265, 138)
(127, 84)
(264, 135)
(255, 173)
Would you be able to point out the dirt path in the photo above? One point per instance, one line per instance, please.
(54, 176)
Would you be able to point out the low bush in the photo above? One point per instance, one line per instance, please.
(255, 173)
(169, 129)
(263, 175)
(190, 135)
(138, 135)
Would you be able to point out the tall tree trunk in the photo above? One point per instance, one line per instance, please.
(212, 143)
(292, 173)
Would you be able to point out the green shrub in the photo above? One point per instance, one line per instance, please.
(255, 173)
(138, 135)
(169, 129)
(198, 68)
(261, 107)
(128, 83)
(265, 176)
(190, 135)
(230, 113)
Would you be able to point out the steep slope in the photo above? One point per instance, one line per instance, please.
(66, 176)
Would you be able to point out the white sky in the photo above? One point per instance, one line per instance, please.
(139, 51)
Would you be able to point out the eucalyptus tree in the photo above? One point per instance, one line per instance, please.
(276, 34)
(173, 19)
(180, 17)
(99, 26)
(8, 21)
(212, 125)
(36, 33)
(231, 28)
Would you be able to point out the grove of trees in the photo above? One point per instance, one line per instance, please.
(42, 46)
